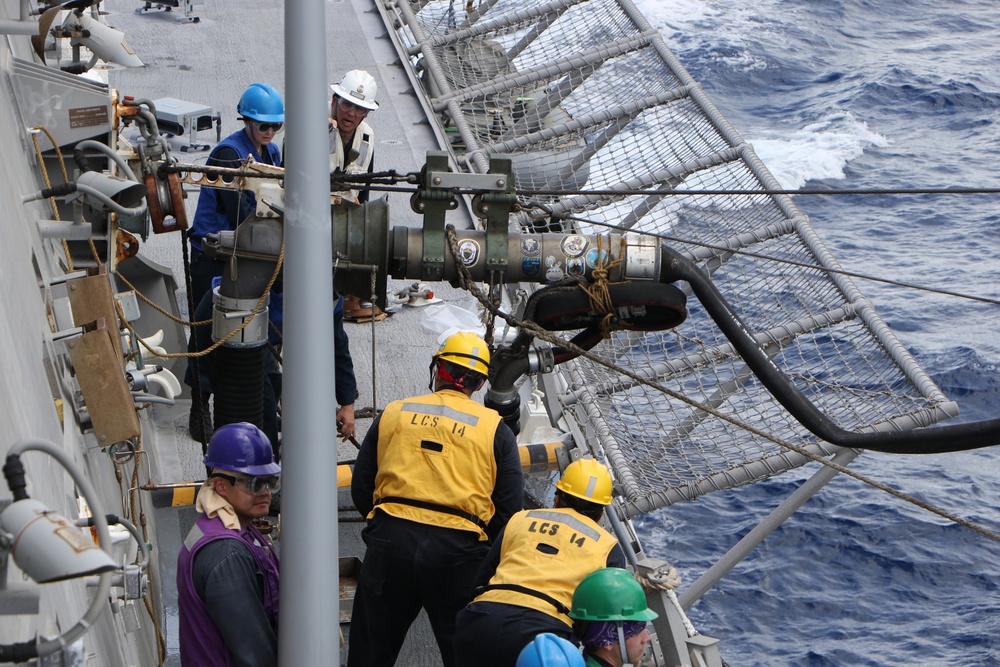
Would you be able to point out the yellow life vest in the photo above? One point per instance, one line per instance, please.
(436, 463)
(544, 555)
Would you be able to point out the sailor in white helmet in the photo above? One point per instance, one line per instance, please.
(352, 143)
(352, 140)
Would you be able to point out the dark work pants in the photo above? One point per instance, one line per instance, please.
(492, 634)
(202, 340)
(407, 566)
(203, 270)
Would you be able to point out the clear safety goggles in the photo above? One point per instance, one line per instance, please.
(350, 107)
(254, 485)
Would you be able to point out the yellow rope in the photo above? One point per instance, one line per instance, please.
(48, 182)
(166, 313)
(136, 515)
(201, 353)
(600, 297)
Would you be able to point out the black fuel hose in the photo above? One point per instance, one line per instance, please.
(80, 157)
(59, 190)
(931, 440)
(18, 653)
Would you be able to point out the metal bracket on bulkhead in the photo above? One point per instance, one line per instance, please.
(676, 638)
(106, 394)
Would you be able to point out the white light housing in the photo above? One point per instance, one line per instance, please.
(105, 42)
(48, 547)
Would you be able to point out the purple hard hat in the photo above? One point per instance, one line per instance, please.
(241, 447)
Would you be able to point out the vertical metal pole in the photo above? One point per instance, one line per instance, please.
(310, 604)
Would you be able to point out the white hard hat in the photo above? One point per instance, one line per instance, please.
(357, 87)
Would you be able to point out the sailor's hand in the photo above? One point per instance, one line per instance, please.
(345, 422)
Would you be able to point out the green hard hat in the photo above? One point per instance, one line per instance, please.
(611, 594)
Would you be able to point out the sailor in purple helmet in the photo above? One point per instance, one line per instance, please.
(227, 571)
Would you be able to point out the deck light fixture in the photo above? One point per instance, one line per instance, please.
(48, 547)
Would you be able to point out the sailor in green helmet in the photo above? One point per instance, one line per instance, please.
(610, 614)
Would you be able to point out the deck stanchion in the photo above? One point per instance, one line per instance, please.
(309, 599)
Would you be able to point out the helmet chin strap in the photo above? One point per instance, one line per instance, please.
(621, 644)
(437, 370)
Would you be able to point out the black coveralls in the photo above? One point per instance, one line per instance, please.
(409, 565)
(492, 634)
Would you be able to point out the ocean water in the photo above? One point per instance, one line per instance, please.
(865, 94)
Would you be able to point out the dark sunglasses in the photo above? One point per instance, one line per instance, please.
(267, 127)
(254, 485)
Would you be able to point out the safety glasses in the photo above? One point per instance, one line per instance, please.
(267, 127)
(254, 485)
(350, 107)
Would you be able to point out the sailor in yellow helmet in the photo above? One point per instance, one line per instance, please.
(438, 476)
(525, 586)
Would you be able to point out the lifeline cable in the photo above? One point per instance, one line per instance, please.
(790, 262)
(365, 179)
(383, 181)
(805, 191)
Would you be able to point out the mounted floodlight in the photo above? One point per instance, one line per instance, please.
(104, 41)
(100, 191)
(50, 548)
(47, 546)
(99, 187)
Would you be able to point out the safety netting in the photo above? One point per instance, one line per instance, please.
(588, 100)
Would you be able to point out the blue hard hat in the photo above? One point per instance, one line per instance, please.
(241, 447)
(549, 650)
(261, 102)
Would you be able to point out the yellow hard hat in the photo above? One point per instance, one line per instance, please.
(467, 350)
(588, 479)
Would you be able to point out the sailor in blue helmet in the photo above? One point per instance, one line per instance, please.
(263, 114)
(549, 650)
(227, 571)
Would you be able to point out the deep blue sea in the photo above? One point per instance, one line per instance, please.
(865, 94)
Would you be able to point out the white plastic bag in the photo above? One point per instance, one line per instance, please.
(446, 319)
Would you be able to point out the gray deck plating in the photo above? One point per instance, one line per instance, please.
(211, 63)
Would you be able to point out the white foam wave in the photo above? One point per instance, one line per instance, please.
(722, 21)
(676, 15)
(819, 150)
